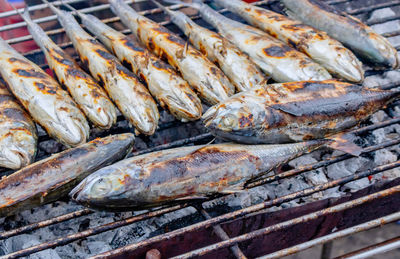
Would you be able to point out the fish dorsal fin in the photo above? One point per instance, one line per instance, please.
(345, 142)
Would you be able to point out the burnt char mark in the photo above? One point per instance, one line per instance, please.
(77, 73)
(5, 98)
(45, 87)
(95, 94)
(160, 65)
(104, 54)
(63, 60)
(132, 45)
(12, 60)
(150, 44)
(292, 43)
(101, 80)
(85, 62)
(195, 164)
(175, 39)
(162, 30)
(32, 73)
(276, 51)
(245, 121)
(14, 114)
(127, 64)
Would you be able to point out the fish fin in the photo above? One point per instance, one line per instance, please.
(238, 188)
(290, 109)
(185, 49)
(203, 146)
(345, 142)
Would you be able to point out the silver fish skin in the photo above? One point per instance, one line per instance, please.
(293, 112)
(171, 91)
(210, 83)
(281, 62)
(316, 44)
(89, 96)
(236, 65)
(18, 138)
(182, 174)
(131, 97)
(52, 178)
(354, 34)
(44, 99)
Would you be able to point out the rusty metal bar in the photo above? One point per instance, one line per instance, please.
(373, 7)
(92, 231)
(326, 250)
(372, 250)
(283, 225)
(44, 223)
(391, 34)
(339, 234)
(222, 234)
(253, 208)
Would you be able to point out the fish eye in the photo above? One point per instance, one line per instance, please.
(101, 187)
(229, 121)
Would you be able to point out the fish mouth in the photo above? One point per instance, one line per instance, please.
(76, 193)
(209, 116)
(15, 158)
(105, 118)
(74, 133)
(350, 69)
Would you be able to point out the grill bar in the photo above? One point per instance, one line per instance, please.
(286, 224)
(339, 234)
(376, 249)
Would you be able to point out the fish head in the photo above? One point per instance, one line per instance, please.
(240, 113)
(104, 187)
(387, 52)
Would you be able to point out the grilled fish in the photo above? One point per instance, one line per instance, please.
(18, 137)
(131, 97)
(182, 174)
(347, 29)
(292, 112)
(242, 72)
(281, 62)
(51, 178)
(324, 50)
(89, 96)
(48, 104)
(203, 76)
(171, 91)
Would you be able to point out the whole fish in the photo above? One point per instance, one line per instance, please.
(49, 179)
(242, 72)
(182, 174)
(18, 138)
(203, 76)
(292, 112)
(89, 96)
(131, 97)
(347, 29)
(324, 50)
(281, 62)
(48, 104)
(171, 91)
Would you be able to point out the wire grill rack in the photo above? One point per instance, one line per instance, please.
(234, 244)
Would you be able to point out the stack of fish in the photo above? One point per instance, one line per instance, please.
(306, 108)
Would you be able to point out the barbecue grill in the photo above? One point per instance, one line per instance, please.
(263, 228)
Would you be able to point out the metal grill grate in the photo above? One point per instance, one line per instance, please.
(200, 136)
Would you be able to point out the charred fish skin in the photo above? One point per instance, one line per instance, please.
(282, 63)
(18, 138)
(293, 112)
(171, 91)
(236, 65)
(131, 97)
(203, 76)
(49, 179)
(316, 44)
(347, 29)
(182, 174)
(47, 103)
(89, 96)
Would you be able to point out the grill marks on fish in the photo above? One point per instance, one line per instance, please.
(316, 44)
(347, 29)
(182, 174)
(165, 85)
(192, 65)
(44, 99)
(292, 112)
(131, 97)
(18, 137)
(53, 177)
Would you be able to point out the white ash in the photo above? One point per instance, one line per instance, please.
(381, 13)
